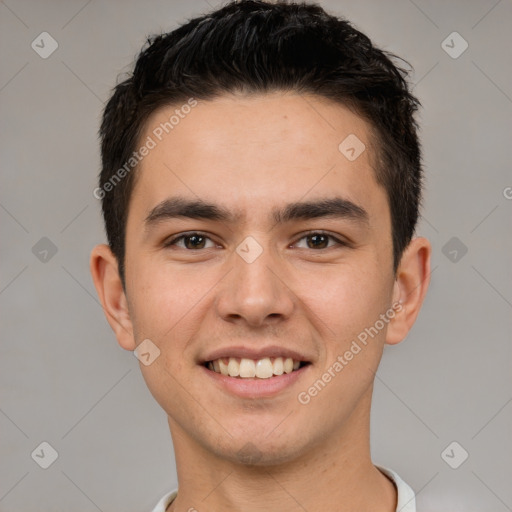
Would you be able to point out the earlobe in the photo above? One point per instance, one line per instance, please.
(105, 274)
(410, 288)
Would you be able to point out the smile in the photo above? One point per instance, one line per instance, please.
(263, 368)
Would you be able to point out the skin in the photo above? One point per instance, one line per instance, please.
(250, 155)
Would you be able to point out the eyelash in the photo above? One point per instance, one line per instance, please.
(174, 240)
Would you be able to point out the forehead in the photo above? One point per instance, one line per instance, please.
(258, 149)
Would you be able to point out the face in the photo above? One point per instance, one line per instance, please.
(252, 239)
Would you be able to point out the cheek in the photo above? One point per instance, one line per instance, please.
(165, 299)
(342, 307)
(344, 300)
(166, 383)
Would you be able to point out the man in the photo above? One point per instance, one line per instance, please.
(260, 188)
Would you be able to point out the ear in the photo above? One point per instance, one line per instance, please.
(410, 287)
(105, 274)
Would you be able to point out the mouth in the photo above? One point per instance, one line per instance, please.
(263, 368)
(263, 372)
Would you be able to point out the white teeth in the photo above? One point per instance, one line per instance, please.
(288, 365)
(249, 368)
(233, 367)
(264, 368)
(223, 367)
(278, 366)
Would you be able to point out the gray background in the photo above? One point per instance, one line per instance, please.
(64, 379)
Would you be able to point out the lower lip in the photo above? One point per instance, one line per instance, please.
(256, 388)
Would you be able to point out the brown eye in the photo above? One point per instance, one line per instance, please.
(317, 241)
(192, 241)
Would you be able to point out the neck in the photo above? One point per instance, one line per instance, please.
(335, 474)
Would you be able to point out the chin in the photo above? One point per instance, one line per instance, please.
(260, 451)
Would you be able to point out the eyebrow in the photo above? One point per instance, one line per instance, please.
(336, 207)
(176, 207)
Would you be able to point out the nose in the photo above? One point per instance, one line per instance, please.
(255, 292)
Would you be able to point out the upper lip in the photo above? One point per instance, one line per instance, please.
(254, 353)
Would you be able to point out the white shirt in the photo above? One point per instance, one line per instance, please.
(406, 500)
